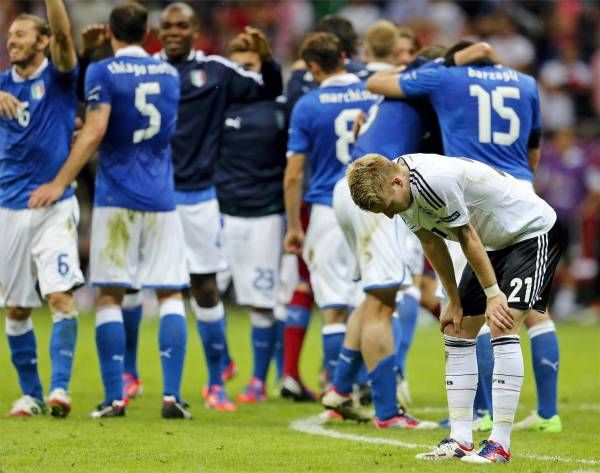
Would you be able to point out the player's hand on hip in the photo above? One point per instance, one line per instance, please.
(452, 314)
(45, 195)
(293, 240)
(10, 106)
(498, 314)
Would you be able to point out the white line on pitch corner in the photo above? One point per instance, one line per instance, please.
(314, 426)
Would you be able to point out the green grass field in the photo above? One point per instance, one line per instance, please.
(259, 438)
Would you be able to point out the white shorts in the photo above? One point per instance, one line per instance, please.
(372, 239)
(39, 246)
(253, 251)
(413, 251)
(329, 259)
(202, 229)
(137, 249)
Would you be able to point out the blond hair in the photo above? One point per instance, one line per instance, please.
(369, 180)
(381, 38)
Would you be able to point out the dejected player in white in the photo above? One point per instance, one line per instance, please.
(38, 102)
(511, 242)
(131, 112)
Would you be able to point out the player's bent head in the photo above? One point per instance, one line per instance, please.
(408, 44)
(342, 29)
(369, 179)
(28, 36)
(128, 23)
(381, 41)
(324, 50)
(432, 52)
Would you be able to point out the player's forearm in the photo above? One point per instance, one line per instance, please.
(385, 83)
(534, 155)
(437, 253)
(476, 256)
(475, 53)
(83, 149)
(292, 192)
(62, 47)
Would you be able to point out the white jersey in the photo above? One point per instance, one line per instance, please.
(451, 192)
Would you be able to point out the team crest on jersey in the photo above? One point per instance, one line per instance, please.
(198, 78)
(38, 90)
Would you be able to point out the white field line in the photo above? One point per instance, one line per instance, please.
(561, 407)
(314, 426)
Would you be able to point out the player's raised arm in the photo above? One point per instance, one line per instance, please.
(386, 83)
(88, 140)
(62, 48)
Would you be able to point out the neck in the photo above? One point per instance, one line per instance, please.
(116, 45)
(27, 70)
(324, 76)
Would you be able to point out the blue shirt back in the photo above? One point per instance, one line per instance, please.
(487, 113)
(135, 169)
(321, 127)
(34, 146)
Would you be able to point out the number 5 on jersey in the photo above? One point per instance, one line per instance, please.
(148, 110)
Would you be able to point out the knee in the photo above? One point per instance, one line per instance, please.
(61, 302)
(18, 313)
(204, 289)
(335, 316)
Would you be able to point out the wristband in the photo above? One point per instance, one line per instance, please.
(492, 291)
(449, 61)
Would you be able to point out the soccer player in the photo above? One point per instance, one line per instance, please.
(39, 247)
(208, 85)
(379, 256)
(491, 113)
(249, 182)
(321, 128)
(300, 306)
(512, 244)
(131, 102)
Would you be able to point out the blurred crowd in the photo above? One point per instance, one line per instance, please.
(556, 41)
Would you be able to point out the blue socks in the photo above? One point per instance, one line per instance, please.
(211, 328)
(333, 339)
(383, 388)
(21, 340)
(110, 342)
(485, 364)
(132, 316)
(349, 364)
(172, 338)
(544, 354)
(404, 325)
(62, 349)
(264, 335)
(226, 356)
(278, 348)
(297, 316)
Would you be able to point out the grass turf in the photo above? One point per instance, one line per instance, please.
(258, 438)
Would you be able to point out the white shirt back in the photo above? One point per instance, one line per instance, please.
(450, 192)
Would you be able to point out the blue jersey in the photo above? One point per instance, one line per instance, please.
(135, 169)
(34, 146)
(487, 113)
(392, 128)
(321, 127)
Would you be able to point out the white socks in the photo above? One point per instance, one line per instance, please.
(461, 386)
(506, 386)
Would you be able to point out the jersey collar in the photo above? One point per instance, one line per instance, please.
(135, 51)
(376, 66)
(194, 54)
(17, 78)
(340, 80)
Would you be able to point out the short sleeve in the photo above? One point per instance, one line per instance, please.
(66, 79)
(97, 85)
(421, 81)
(299, 136)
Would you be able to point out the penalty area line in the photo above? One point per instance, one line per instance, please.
(314, 426)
